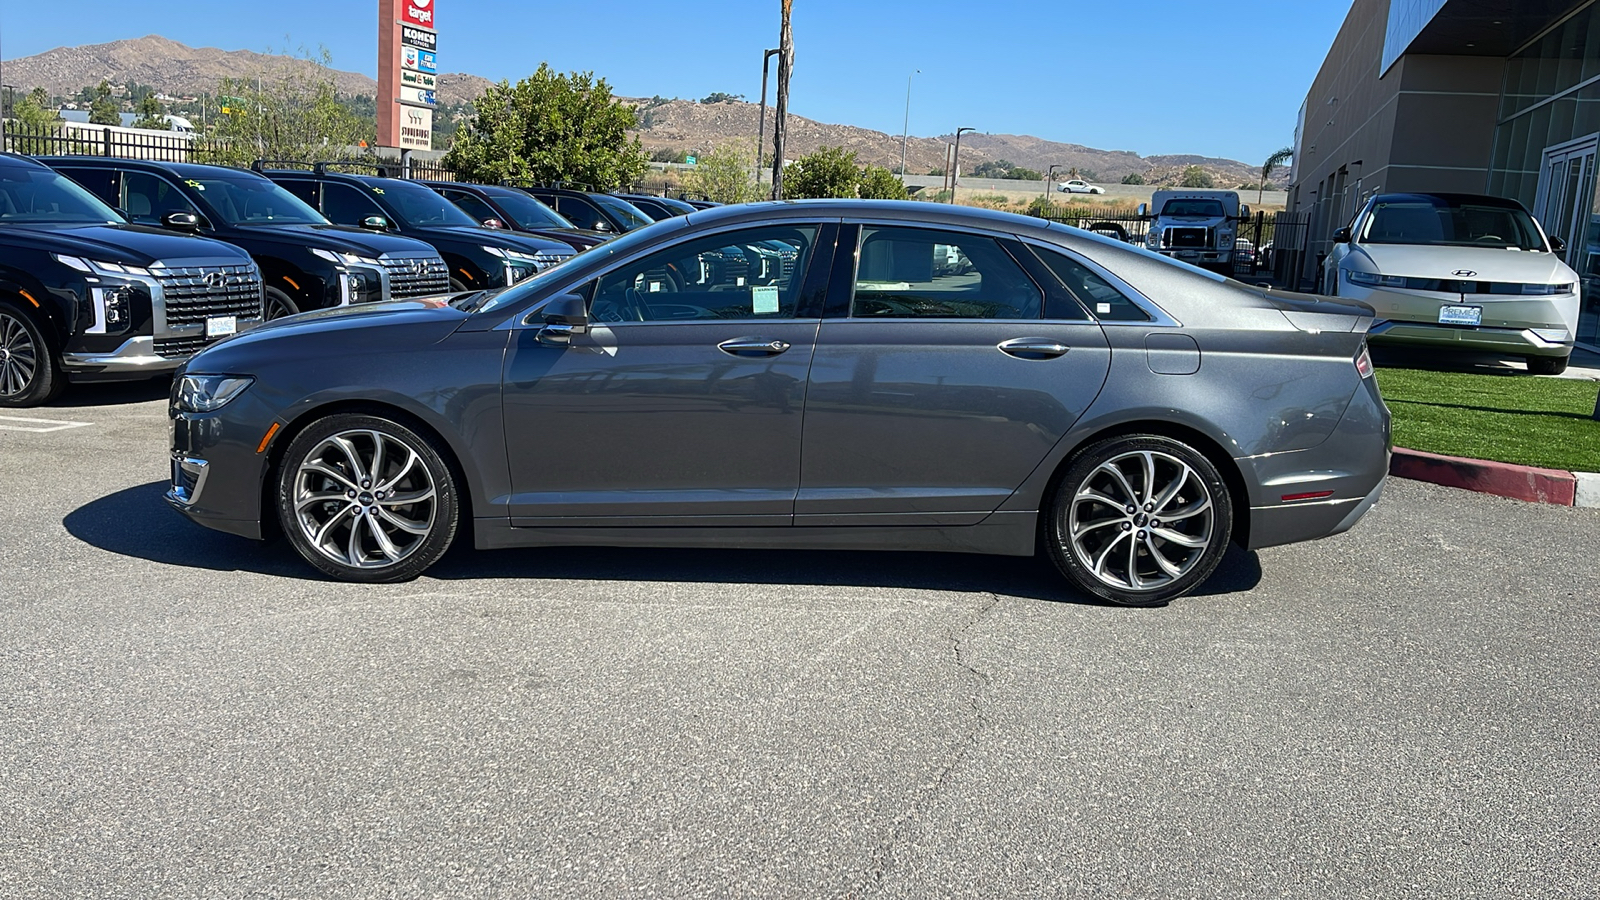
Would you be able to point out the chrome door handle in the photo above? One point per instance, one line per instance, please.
(1034, 348)
(753, 347)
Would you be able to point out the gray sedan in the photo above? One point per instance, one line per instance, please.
(1063, 393)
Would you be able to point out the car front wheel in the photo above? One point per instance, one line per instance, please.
(29, 375)
(366, 499)
(1548, 365)
(1139, 520)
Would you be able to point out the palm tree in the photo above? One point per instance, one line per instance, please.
(1274, 161)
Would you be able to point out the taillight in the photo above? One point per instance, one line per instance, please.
(1364, 362)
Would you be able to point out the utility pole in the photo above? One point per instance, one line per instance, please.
(1048, 178)
(780, 127)
(761, 126)
(955, 165)
(905, 138)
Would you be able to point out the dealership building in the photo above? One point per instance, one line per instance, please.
(1473, 96)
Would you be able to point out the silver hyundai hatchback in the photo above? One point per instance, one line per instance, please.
(1059, 392)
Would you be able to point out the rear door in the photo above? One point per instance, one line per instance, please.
(949, 370)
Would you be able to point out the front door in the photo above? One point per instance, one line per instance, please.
(683, 404)
(1566, 206)
(948, 380)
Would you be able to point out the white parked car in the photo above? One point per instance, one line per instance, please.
(1458, 271)
(1079, 186)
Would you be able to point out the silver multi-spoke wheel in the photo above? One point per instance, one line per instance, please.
(364, 499)
(1140, 521)
(19, 357)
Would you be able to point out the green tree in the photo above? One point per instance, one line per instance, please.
(103, 110)
(34, 118)
(724, 175)
(720, 97)
(878, 183)
(1043, 207)
(1196, 177)
(1021, 174)
(550, 127)
(1134, 178)
(295, 115)
(664, 155)
(151, 115)
(1278, 158)
(829, 172)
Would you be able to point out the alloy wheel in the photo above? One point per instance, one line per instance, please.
(1140, 521)
(364, 499)
(19, 356)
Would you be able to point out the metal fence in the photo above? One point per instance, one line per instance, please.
(74, 139)
(1277, 242)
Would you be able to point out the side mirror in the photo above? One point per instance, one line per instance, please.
(1143, 211)
(1244, 213)
(1557, 245)
(181, 221)
(375, 223)
(493, 223)
(1342, 236)
(564, 317)
(602, 225)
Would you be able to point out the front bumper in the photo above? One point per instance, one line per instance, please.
(1512, 325)
(136, 358)
(1509, 341)
(218, 466)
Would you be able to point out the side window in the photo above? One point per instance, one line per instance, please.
(915, 273)
(473, 206)
(305, 190)
(1096, 294)
(755, 273)
(100, 182)
(344, 205)
(580, 213)
(148, 197)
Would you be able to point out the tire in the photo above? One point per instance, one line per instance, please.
(458, 287)
(30, 374)
(326, 494)
(1096, 543)
(1548, 365)
(277, 305)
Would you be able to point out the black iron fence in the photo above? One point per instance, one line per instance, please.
(1265, 245)
(72, 139)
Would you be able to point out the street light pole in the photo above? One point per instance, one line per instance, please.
(761, 127)
(905, 138)
(955, 164)
(1049, 177)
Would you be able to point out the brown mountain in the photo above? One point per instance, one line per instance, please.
(178, 69)
(682, 125)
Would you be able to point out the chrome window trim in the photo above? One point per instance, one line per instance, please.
(995, 234)
(1159, 318)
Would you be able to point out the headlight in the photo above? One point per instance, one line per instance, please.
(209, 393)
(348, 259)
(99, 268)
(515, 256)
(1545, 290)
(1373, 279)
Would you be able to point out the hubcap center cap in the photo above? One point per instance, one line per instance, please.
(1141, 519)
(366, 499)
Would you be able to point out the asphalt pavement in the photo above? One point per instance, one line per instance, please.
(1407, 710)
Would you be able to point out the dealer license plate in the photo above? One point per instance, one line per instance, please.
(1461, 315)
(222, 326)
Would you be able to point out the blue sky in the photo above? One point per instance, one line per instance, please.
(1156, 76)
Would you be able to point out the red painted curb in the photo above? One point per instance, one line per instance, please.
(1551, 486)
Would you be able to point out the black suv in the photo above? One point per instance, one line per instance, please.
(479, 258)
(86, 296)
(658, 208)
(505, 207)
(597, 212)
(306, 262)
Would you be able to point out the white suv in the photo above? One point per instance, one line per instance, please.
(1458, 271)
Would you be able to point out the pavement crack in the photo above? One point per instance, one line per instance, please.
(960, 749)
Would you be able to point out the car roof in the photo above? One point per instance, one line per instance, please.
(20, 161)
(1452, 199)
(182, 170)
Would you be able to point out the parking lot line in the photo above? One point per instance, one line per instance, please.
(37, 426)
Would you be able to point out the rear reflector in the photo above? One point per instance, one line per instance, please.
(1364, 362)
(1314, 495)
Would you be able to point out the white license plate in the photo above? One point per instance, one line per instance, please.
(1461, 315)
(1187, 254)
(222, 326)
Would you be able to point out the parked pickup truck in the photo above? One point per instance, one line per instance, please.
(1195, 226)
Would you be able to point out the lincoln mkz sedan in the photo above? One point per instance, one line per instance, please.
(1065, 393)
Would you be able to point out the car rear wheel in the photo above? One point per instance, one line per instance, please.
(1139, 520)
(367, 499)
(29, 374)
(278, 305)
(1548, 365)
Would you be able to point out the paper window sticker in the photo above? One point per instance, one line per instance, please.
(1102, 307)
(739, 282)
(655, 287)
(764, 300)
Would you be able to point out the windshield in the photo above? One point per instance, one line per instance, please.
(241, 200)
(528, 212)
(595, 256)
(1453, 223)
(29, 194)
(1211, 209)
(414, 205)
(625, 212)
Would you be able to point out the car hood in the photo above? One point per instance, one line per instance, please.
(126, 244)
(1486, 263)
(493, 237)
(339, 331)
(340, 239)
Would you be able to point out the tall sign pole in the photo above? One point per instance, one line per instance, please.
(780, 127)
(408, 72)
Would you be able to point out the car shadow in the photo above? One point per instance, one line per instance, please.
(136, 522)
(1465, 362)
(112, 393)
